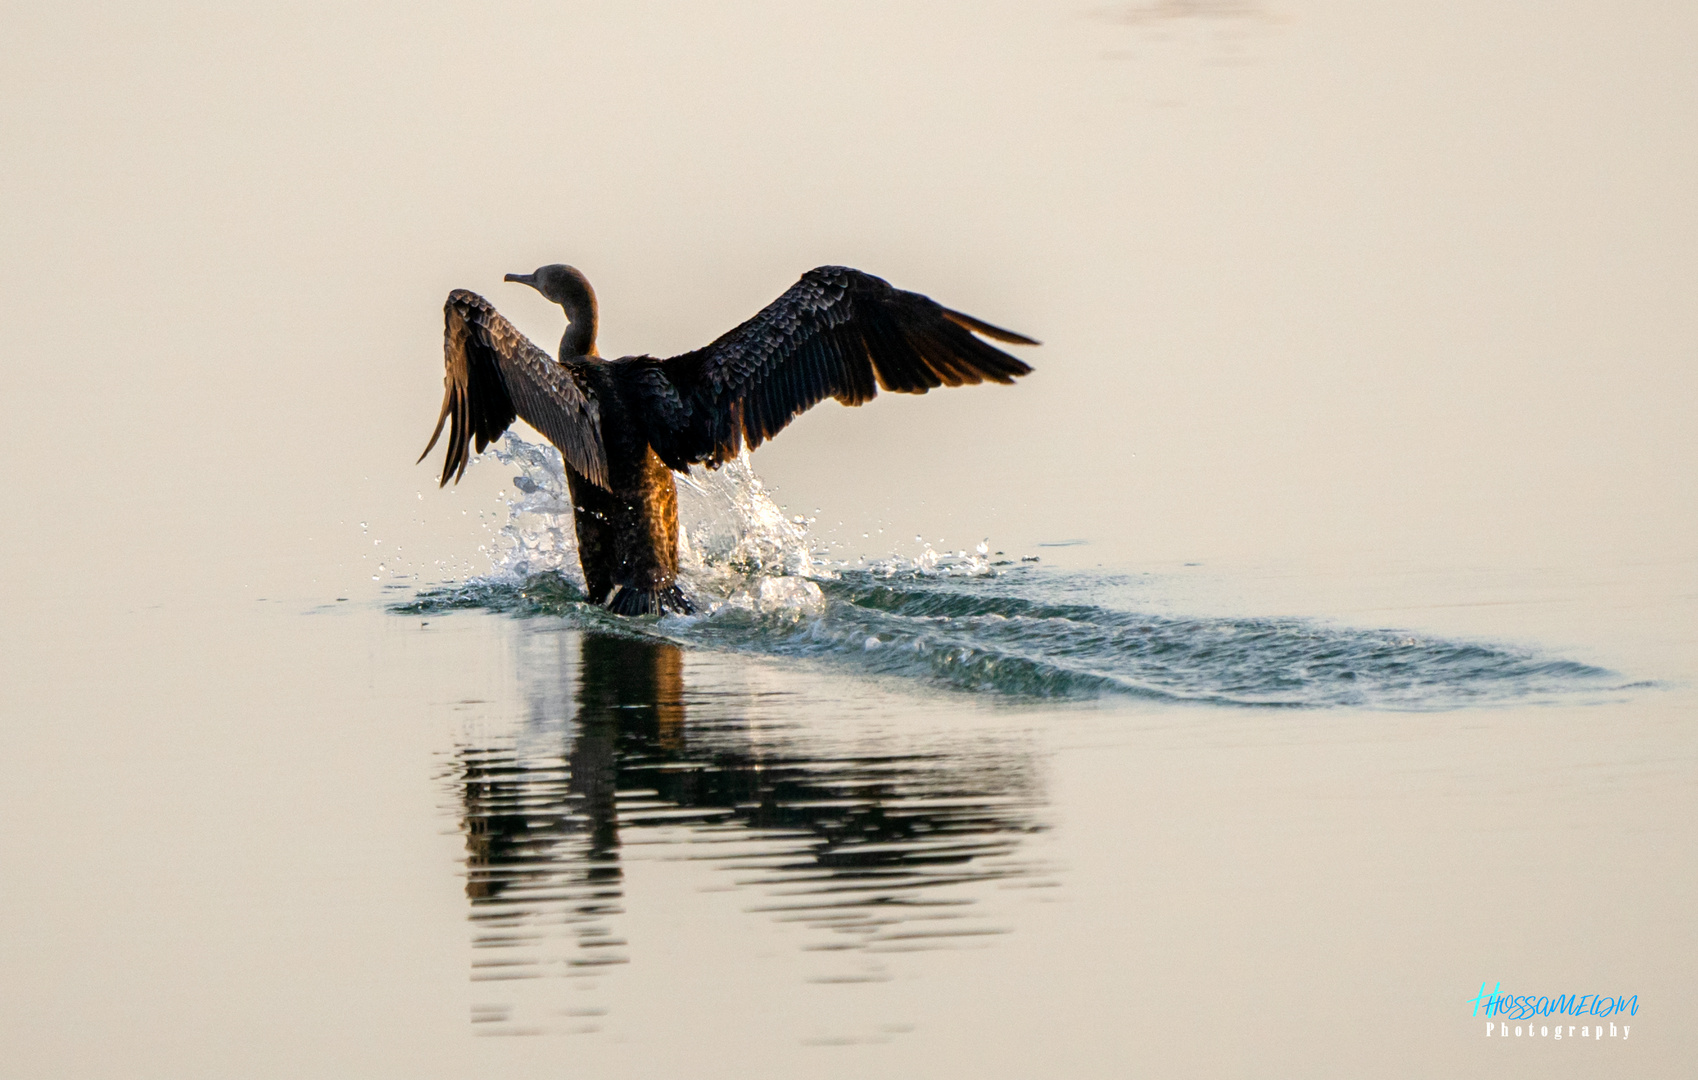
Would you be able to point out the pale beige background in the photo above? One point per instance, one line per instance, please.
(1384, 310)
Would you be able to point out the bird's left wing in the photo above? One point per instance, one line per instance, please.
(494, 373)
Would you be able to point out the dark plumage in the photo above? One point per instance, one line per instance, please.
(623, 425)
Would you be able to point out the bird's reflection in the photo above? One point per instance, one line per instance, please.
(882, 846)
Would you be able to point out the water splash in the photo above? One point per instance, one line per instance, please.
(959, 620)
(735, 545)
(538, 537)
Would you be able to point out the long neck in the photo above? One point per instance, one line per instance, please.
(579, 339)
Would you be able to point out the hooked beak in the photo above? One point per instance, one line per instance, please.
(523, 279)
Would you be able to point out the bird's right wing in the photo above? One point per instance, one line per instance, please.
(836, 333)
(495, 373)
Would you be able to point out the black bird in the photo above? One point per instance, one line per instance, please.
(623, 425)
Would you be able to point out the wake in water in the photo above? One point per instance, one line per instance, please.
(760, 586)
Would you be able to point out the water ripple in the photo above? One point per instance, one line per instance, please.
(1009, 635)
(959, 620)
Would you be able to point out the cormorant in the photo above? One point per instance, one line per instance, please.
(623, 425)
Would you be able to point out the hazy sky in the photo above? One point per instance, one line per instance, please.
(1314, 280)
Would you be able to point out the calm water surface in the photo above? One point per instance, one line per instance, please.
(412, 830)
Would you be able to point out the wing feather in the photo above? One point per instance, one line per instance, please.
(836, 333)
(494, 373)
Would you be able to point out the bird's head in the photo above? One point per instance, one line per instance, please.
(571, 290)
(563, 284)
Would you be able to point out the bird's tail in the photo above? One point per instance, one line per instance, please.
(625, 600)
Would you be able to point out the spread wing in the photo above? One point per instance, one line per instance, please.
(836, 333)
(495, 373)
